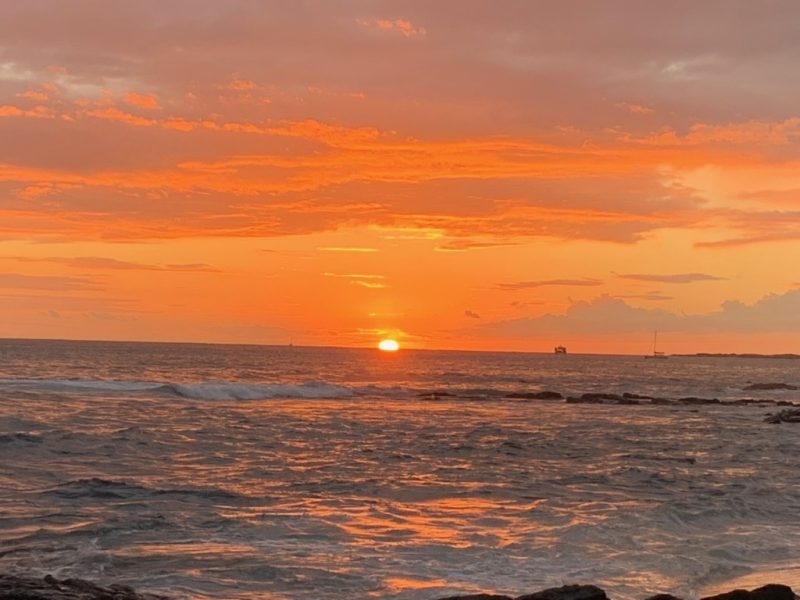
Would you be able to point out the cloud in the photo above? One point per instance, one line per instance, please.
(471, 314)
(464, 245)
(369, 281)
(45, 282)
(635, 108)
(353, 249)
(354, 276)
(521, 285)
(146, 101)
(653, 296)
(401, 25)
(607, 315)
(372, 285)
(673, 278)
(102, 263)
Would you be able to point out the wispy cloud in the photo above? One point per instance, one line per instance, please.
(402, 26)
(45, 282)
(354, 249)
(465, 245)
(146, 101)
(671, 278)
(102, 263)
(369, 281)
(521, 285)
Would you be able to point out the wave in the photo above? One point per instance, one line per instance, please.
(211, 390)
(99, 488)
(85, 385)
(256, 391)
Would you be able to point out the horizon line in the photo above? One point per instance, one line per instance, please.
(334, 347)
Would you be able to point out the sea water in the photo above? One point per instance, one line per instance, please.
(227, 472)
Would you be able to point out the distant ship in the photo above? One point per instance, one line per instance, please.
(560, 349)
(656, 353)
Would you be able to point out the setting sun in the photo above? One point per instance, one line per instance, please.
(388, 346)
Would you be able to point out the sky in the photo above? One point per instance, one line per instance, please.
(508, 175)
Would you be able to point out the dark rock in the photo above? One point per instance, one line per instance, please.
(543, 395)
(749, 401)
(790, 415)
(772, 591)
(662, 401)
(770, 386)
(636, 396)
(693, 400)
(478, 597)
(663, 597)
(627, 401)
(600, 397)
(569, 592)
(13, 587)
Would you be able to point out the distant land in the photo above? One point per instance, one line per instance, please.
(734, 355)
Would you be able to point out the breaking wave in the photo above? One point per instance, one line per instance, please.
(212, 390)
(256, 391)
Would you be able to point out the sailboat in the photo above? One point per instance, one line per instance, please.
(656, 353)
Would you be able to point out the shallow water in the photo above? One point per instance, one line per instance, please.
(187, 469)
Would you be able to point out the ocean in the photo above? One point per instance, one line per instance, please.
(232, 472)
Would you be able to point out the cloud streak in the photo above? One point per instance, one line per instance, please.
(522, 285)
(671, 278)
(102, 263)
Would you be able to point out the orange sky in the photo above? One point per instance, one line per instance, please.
(506, 175)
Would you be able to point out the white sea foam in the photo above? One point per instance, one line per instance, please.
(80, 385)
(257, 391)
(212, 390)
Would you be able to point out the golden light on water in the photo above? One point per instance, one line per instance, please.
(388, 346)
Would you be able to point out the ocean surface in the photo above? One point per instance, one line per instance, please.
(229, 472)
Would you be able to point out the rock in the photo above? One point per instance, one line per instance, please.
(543, 395)
(693, 400)
(600, 397)
(636, 396)
(627, 401)
(13, 587)
(569, 592)
(770, 386)
(749, 401)
(790, 415)
(772, 591)
(663, 597)
(478, 597)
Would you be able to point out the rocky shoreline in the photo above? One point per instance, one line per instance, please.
(771, 591)
(789, 415)
(15, 587)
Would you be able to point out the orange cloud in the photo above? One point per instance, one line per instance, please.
(146, 101)
(402, 26)
(114, 114)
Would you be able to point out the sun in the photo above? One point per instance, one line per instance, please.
(388, 346)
